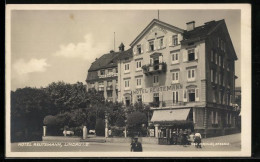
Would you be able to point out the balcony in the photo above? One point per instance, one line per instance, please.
(155, 68)
(100, 88)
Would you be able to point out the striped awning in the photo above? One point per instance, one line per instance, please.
(170, 115)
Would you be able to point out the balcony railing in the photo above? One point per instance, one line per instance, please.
(154, 68)
(100, 88)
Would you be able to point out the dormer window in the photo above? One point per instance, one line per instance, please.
(102, 72)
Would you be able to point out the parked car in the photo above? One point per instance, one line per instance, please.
(91, 131)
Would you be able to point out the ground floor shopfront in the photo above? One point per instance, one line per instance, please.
(208, 121)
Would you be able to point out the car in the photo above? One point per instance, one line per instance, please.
(91, 131)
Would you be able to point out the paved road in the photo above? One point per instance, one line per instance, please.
(222, 143)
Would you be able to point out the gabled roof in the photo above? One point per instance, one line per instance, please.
(105, 61)
(202, 32)
(155, 21)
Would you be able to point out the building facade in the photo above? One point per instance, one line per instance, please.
(186, 76)
(103, 74)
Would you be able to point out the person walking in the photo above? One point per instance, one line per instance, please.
(136, 146)
(197, 140)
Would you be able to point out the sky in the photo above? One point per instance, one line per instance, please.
(60, 45)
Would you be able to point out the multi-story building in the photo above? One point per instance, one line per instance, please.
(186, 76)
(103, 74)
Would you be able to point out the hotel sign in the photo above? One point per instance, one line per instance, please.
(157, 89)
(108, 75)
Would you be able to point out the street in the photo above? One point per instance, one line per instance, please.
(222, 143)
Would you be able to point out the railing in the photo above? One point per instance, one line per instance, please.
(154, 68)
(100, 88)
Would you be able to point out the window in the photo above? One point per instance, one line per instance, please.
(138, 65)
(175, 58)
(214, 96)
(175, 77)
(224, 47)
(155, 79)
(175, 40)
(191, 55)
(139, 82)
(151, 45)
(228, 118)
(161, 43)
(139, 98)
(102, 72)
(116, 70)
(175, 97)
(191, 74)
(191, 95)
(156, 99)
(127, 101)
(126, 84)
(139, 49)
(127, 68)
(109, 93)
(110, 71)
(212, 56)
(109, 83)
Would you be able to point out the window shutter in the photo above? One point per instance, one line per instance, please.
(135, 49)
(185, 56)
(185, 95)
(151, 61)
(142, 48)
(179, 38)
(212, 117)
(196, 53)
(170, 40)
(160, 59)
(216, 117)
(196, 94)
(147, 46)
(155, 43)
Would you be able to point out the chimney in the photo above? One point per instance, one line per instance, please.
(190, 25)
(121, 47)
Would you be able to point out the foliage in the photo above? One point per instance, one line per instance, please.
(120, 122)
(117, 131)
(29, 106)
(136, 119)
(100, 127)
(50, 120)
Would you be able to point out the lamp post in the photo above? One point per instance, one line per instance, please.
(106, 125)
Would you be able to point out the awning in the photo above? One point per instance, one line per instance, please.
(170, 115)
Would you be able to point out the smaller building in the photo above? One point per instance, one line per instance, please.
(103, 74)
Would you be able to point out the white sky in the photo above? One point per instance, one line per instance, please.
(49, 46)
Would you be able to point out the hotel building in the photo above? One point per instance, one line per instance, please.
(186, 76)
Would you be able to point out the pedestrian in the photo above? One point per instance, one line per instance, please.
(136, 146)
(197, 140)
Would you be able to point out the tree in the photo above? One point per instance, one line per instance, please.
(135, 121)
(29, 106)
(100, 127)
